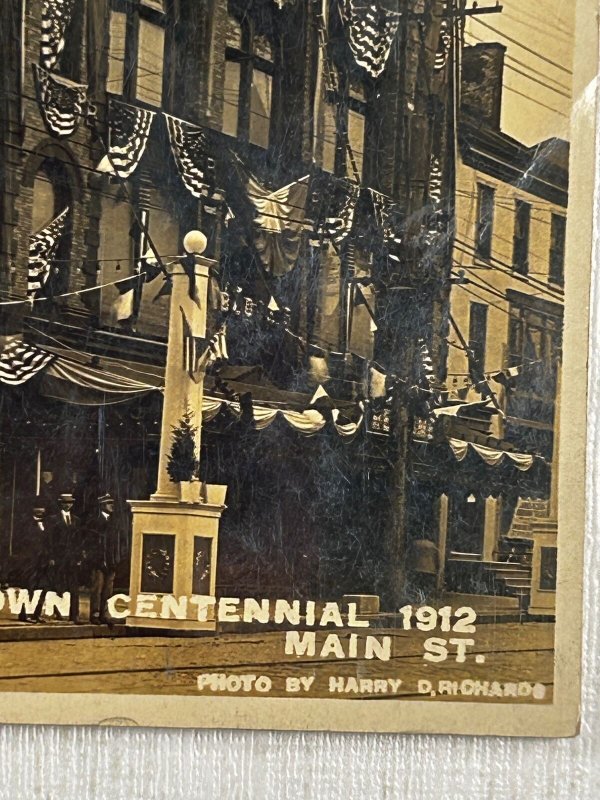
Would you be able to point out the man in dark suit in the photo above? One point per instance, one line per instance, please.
(68, 552)
(103, 549)
(35, 563)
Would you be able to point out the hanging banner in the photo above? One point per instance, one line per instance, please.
(61, 102)
(280, 218)
(128, 132)
(190, 152)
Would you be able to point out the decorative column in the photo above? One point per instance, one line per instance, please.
(174, 542)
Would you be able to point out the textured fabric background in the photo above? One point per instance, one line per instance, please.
(45, 763)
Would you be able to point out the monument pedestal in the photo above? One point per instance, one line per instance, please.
(173, 560)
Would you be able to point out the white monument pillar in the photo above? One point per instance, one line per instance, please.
(174, 542)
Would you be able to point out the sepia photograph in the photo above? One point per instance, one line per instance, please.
(284, 424)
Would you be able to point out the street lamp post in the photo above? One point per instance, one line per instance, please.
(174, 543)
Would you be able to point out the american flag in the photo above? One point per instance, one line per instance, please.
(371, 33)
(61, 102)
(55, 18)
(198, 354)
(42, 250)
(129, 128)
(435, 182)
(189, 148)
(338, 225)
(20, 361)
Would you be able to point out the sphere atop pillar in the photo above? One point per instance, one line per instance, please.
(195, 242)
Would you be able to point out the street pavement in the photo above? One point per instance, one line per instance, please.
(115, 661)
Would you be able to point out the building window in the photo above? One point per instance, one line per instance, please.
(558, 230)
(521, 237)
(342, 128)
(485, 221)
(249, 71)
(478, 332)
(136, 50)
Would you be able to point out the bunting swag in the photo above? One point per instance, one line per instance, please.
(371, 33)
(460, 448)
(19, 361)
(56, 15)
(61, 102)
(42, 250)
(279, 221)
(189, 148)
(443, 49)
(129, 128)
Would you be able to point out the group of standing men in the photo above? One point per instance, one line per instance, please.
(59, 553)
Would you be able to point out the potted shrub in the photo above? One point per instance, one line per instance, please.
(182, 461)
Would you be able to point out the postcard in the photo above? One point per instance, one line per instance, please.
(294, 302)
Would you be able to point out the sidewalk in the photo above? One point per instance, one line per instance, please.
(12, 630)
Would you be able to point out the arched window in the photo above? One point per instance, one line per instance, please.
(52, 197)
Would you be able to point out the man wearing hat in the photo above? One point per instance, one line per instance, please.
(35, 562)
(68, 552)
(104, 555)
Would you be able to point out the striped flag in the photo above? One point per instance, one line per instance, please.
(42, 250)
(197, 353)
(61, 102)
(190, 151)
(20, 361)
(371, 33)
(338, 225)
(443, 48)
(56, 15)
(129, 128)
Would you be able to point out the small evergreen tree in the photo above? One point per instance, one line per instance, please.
(182, 463)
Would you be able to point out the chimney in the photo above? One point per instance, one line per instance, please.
(482, 76)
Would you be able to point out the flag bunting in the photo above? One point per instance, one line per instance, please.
(190, 152)
(20, 361)
(371, 32)
(129, 129)
(61, 102)
(338, 225)
(42, 250)
(56, 15)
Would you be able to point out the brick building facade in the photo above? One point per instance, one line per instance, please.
(278, 94)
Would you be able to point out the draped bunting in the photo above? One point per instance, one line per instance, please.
(279, 221)
(129, 128)
(20, 361)
(522, 461)
(61, 102)
(55, 18)
(42, 250)
(75, 382)
(371, 33)
(190, 151)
